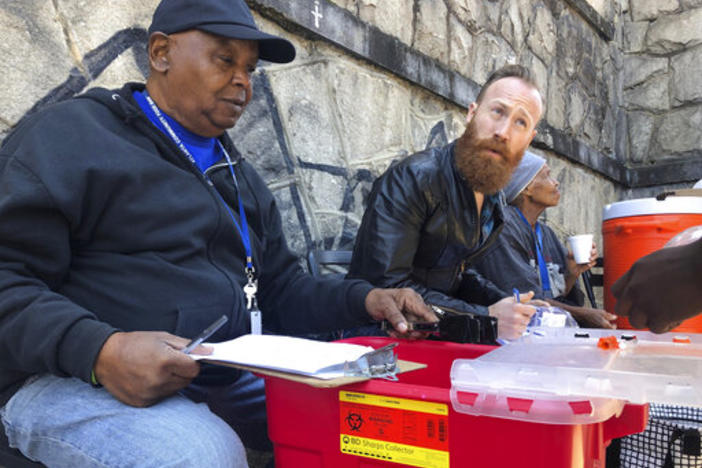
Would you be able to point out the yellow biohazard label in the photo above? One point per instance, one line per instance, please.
(396, 430)
(392, 402)
(394, 452)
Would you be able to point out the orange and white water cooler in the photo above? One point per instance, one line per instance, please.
(634, 228)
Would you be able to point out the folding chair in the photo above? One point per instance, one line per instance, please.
(317, 260)
(591, 280)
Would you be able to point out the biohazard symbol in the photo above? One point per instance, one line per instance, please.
(355, 421)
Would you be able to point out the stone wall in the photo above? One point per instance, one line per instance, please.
(662, 63)
(376, 80)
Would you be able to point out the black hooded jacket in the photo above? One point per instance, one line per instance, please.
(105, 225)
(421, 230)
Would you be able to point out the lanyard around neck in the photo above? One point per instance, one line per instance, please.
(538, 244)
(244, 228)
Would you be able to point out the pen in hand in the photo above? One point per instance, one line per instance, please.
(206, 333)
(517, 300)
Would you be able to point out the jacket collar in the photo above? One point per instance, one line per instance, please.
(122, 103)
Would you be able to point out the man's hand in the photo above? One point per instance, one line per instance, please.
(538, 303)
(662, 289)
(586, 316)
(141, 368)
(512, 316)
(593, 318)
(575, 269)
(397, 306)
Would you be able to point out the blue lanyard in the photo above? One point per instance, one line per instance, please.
(244, 228)
(538, 242)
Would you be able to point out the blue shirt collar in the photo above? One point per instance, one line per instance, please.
(204, 150)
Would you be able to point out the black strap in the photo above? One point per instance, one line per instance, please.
(588, 288)
(614, 452)
(690, 445)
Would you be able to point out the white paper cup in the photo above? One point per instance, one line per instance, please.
(581, 245)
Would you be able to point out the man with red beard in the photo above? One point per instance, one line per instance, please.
(432, 215)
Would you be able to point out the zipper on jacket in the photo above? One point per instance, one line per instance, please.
(219, 166)
(488, 243)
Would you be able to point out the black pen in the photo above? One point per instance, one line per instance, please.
(206, 333)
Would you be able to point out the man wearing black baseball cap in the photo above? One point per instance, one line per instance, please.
(130, 223)
(224, 18)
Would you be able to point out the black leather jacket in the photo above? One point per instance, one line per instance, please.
(421, 230)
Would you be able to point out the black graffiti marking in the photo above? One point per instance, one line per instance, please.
(328, 168)
(437, 136)
(100, 58)
(262, 83)
(95, 62)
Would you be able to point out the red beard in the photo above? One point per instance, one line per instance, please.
(483, 172)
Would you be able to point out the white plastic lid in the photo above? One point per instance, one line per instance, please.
(553, 364)
(651, 206)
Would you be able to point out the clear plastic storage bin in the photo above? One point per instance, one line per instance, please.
(593, 372)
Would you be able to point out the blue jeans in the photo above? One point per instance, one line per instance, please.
(64, 422)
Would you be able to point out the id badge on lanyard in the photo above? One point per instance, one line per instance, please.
(251, 286)
(252, 305)
(538, 246)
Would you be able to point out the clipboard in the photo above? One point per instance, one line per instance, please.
(402, 366)
(319, 364)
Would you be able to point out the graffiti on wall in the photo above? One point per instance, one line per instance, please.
(265, 112)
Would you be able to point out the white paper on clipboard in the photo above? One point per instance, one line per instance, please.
(319, 359)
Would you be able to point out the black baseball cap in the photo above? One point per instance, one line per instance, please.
(228, 18)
